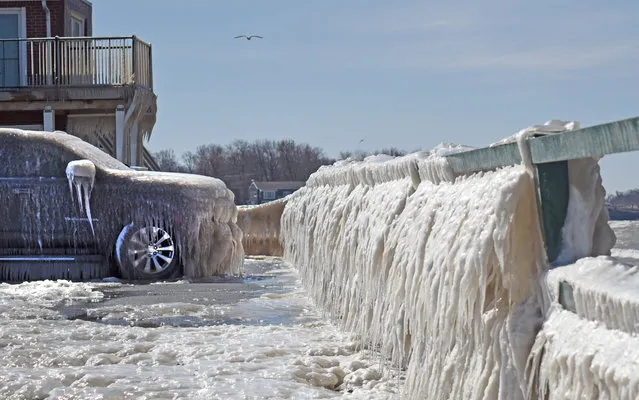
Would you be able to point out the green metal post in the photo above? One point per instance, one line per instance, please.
(553, 195)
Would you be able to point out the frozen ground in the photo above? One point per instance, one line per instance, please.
(252, 338)
(627, 247)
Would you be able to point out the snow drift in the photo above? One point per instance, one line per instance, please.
(442, 273)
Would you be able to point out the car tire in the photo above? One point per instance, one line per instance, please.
(146, 253)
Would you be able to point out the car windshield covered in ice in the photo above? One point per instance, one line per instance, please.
(66, 201)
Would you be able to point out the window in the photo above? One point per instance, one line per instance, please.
(268, 194)
(77, 25)
(12, 53)
(30, 159)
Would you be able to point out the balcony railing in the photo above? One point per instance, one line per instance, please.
(75, 62)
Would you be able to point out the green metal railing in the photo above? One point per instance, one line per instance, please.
(550, 155)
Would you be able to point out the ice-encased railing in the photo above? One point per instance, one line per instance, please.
(591, 350)
(574, 358)
(442, 278)
(442, 273)
(603, 290)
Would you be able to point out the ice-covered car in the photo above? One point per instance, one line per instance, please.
(62, 197)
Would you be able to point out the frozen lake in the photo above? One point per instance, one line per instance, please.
(254, 338)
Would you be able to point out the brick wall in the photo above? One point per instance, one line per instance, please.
(60, 11)
(80, 7)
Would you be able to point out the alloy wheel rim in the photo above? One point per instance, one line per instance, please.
(151, 250)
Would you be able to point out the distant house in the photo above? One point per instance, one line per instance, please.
(263, 192)
(54, 75)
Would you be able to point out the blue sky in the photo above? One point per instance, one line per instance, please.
(409, 74)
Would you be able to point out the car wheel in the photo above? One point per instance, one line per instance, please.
(146, 253)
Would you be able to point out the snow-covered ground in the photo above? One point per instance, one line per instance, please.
(256, 338)
(627, 247)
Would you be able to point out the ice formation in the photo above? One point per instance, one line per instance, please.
(589, 351)
(198, 211)
(260, 226)
(81, 175)
(442, 273)
(581, 359)
(586, 231)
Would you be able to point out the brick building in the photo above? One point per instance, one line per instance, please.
(54, 75)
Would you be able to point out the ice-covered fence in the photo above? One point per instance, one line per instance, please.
(441, 267)
(436, 275)
(260, 225)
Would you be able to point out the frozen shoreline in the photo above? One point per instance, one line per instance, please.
(259, 337)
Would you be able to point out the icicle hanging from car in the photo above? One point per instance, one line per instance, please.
(81, 175)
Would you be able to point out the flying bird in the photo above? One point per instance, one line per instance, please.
(249, 37)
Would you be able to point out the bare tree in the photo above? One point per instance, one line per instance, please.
(167, 161)
(189, 161)
(240, 162)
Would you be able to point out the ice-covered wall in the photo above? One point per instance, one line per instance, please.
(440, 274)
(260, 225)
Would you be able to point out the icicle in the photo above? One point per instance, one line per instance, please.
(87, 197)
(81, 175)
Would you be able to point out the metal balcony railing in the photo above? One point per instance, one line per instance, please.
(75, 62)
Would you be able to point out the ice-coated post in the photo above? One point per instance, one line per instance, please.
(134, 143)
(48, 119)
(119, 132)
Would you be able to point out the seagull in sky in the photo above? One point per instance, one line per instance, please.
(249, 37)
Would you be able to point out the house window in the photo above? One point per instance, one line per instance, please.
(77, 25)
(12, 53)
(268, 195)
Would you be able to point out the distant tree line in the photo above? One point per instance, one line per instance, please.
(624, 200)
(262, 160)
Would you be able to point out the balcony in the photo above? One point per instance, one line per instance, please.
(74, 68)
